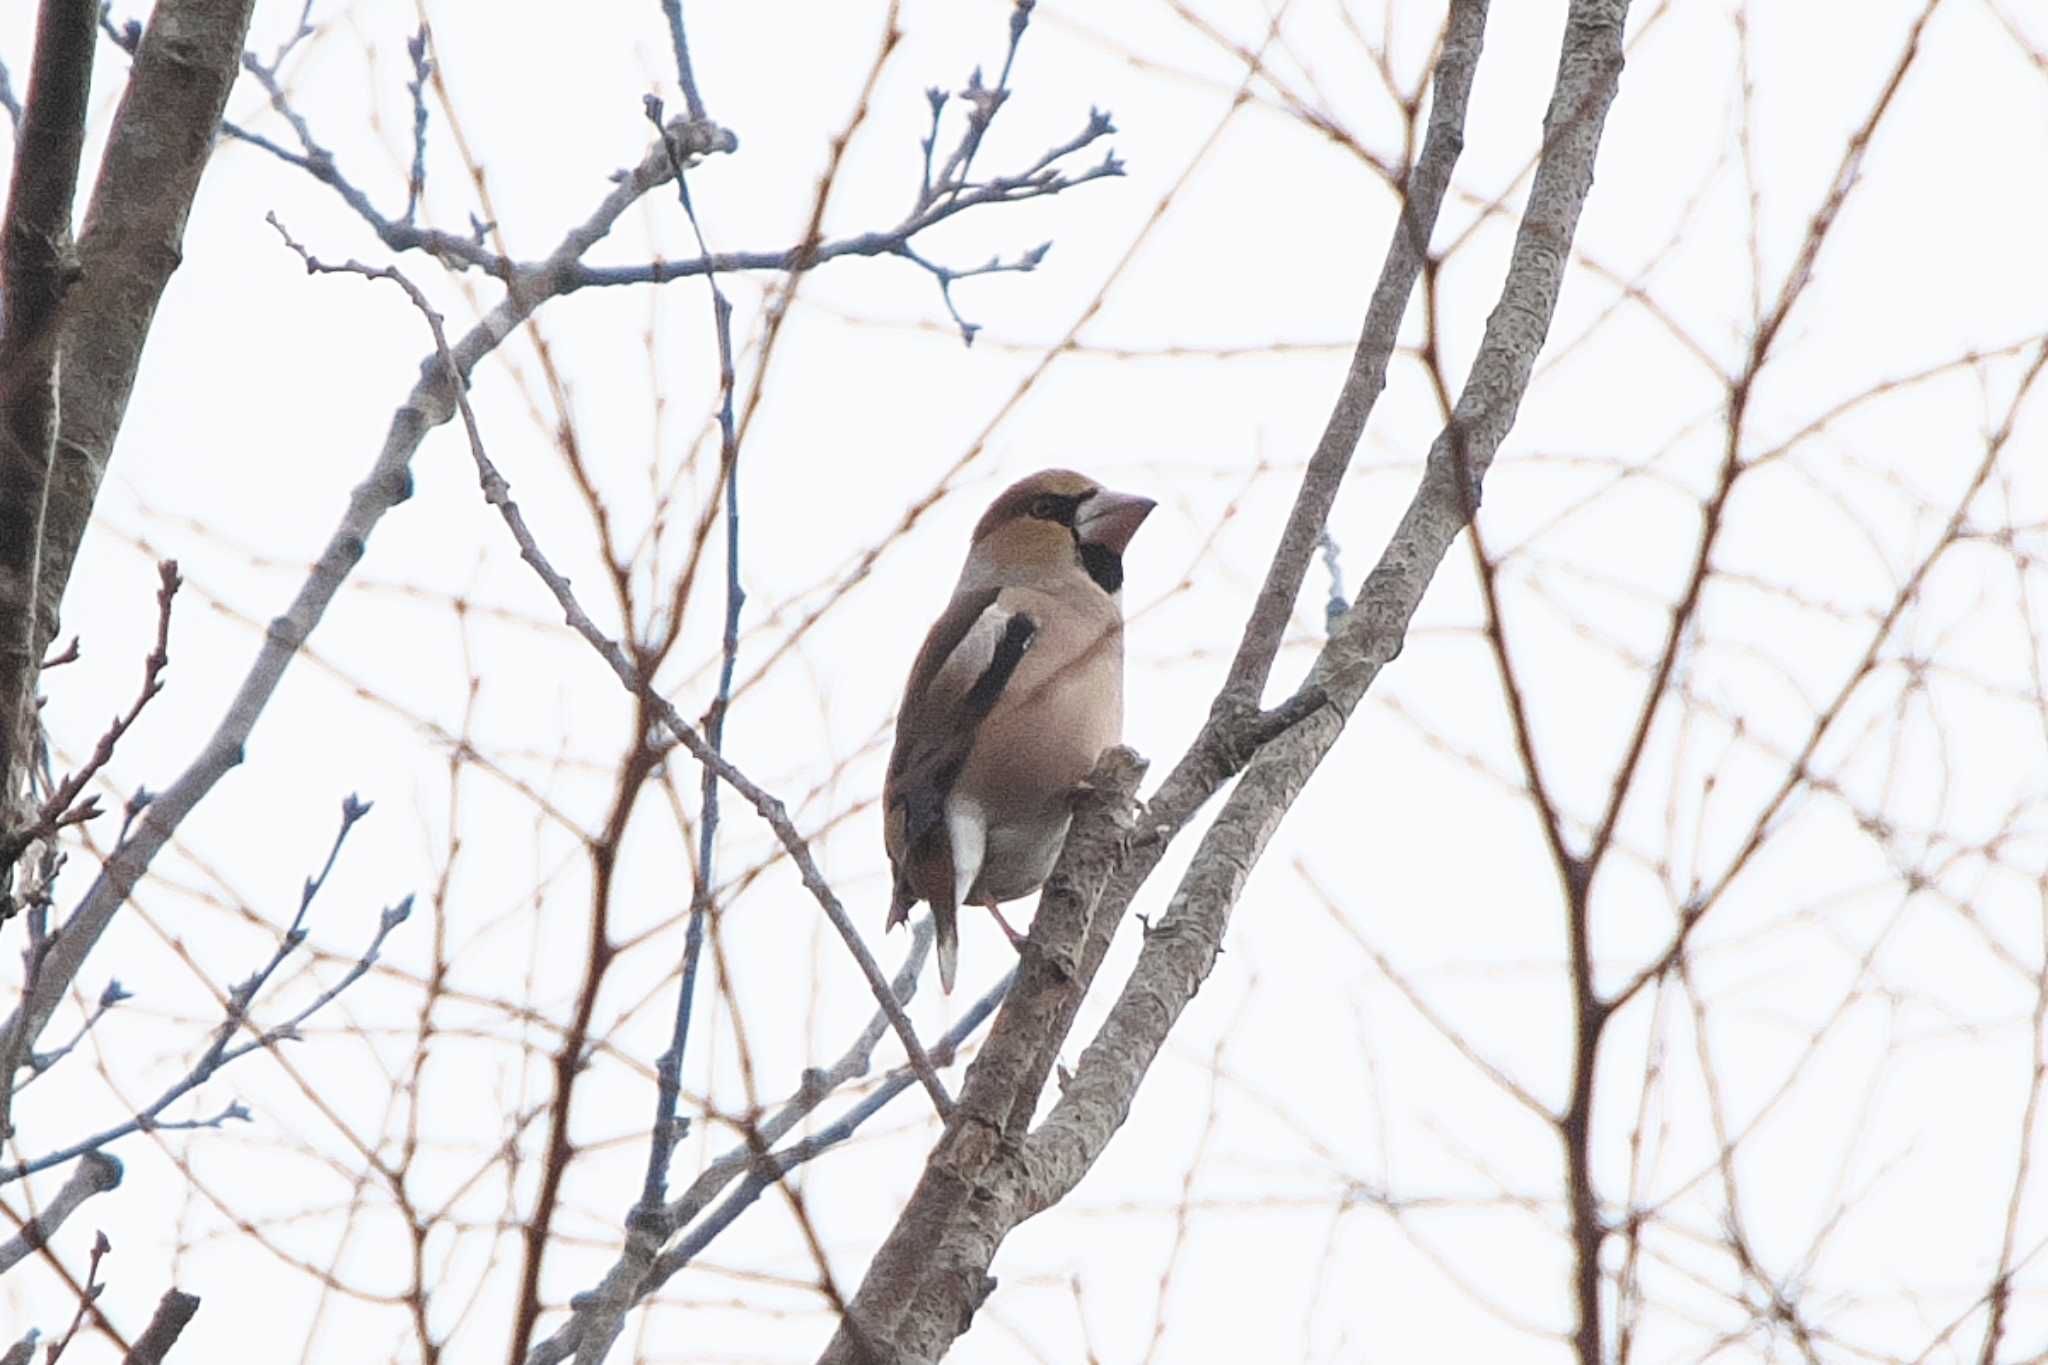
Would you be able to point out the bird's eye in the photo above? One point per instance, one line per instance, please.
(1046, 507)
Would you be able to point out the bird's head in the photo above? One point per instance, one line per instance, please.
(1056, 516)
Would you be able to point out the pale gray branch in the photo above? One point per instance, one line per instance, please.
(96, 1174)
(931, 1274)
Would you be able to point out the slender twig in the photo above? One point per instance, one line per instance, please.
(64, 807)
(1790, 291)
(422, 69)
(667, 1130)
(686, 77)
(599, 1313)
(39, 1063)
(219, 1052)
(984, 103)
(946, 276)
(936, 97)
(936, 201)
(771, 1167)
(88, 1299)
(1337, 602)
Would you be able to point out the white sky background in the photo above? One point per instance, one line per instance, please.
(1300, 1072)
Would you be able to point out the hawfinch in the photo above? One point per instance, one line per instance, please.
(1017, 692)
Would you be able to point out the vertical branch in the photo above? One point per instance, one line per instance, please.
(132, 240)
(672, 10)
(37, 268)
(667, 1130)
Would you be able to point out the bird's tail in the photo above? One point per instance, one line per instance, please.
(947, 921)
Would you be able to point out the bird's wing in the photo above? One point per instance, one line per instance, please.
(967, 661)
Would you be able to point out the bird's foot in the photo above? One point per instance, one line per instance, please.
(1016, 939)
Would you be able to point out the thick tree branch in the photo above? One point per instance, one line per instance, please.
(37, 269)
(173, 1311)
(981, 1181)
(133, 239)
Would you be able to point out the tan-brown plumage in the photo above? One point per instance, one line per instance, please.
(1017, 691)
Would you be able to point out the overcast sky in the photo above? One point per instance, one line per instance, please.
(1870, 977)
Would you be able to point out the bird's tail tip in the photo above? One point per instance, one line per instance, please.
(949, 955)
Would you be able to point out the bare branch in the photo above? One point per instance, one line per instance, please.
(1422, 194)
(64, 806)
(218, 1052)
(930, 1276)
(88, 1298)
(672, 10)
(640, 1272)
(387, 484)
(173, 1311)
(38, 267)
(96, 1174)
(161, 139)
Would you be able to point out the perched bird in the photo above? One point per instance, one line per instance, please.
(1017, 692)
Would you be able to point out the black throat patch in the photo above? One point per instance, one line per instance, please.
(1104, 565)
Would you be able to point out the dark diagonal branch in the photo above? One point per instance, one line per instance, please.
(173, 1311)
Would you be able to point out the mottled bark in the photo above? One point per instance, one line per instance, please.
(133, 239)
(37, 269)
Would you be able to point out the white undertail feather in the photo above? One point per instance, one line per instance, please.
(949, 949)
(967, 829)
(967, 832)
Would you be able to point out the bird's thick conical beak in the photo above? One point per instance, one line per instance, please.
(1111, 519)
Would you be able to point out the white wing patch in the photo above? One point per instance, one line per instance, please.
(971, 658)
